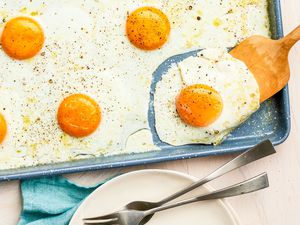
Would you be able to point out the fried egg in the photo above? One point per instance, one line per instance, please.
(103, 50)
(203, 98)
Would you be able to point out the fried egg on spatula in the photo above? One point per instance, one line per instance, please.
(203, 97)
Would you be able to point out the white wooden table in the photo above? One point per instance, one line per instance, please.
(278, 205)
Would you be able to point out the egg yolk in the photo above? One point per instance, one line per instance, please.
(3, 128)
(22, 38)
(199, 105)
(79, 115)
(148, 28)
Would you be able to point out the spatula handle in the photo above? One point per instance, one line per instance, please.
(290, 40)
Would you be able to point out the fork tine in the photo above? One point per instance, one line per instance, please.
(94, 221)
(100, 223)
(104, 217)
(105, 223)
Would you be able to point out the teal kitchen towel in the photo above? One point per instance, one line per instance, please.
(51, 201)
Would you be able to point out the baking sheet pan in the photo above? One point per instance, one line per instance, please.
(272, 122)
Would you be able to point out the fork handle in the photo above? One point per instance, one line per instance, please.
(259, 151)
(254, 184)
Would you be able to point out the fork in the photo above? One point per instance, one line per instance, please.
(259, 151)
(135, 217)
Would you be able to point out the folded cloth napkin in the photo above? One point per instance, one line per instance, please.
(51, 201)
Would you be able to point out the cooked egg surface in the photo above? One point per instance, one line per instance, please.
(22, 38)
(87, 51)
(79, 115)
(148, 28)
(3, 128)
(225, 75)
(199, 105)
(141, 141)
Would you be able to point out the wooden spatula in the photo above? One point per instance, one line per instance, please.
(268, 61)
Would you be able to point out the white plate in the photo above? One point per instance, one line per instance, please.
(154, 185)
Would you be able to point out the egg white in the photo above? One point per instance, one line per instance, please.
(87, 51)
